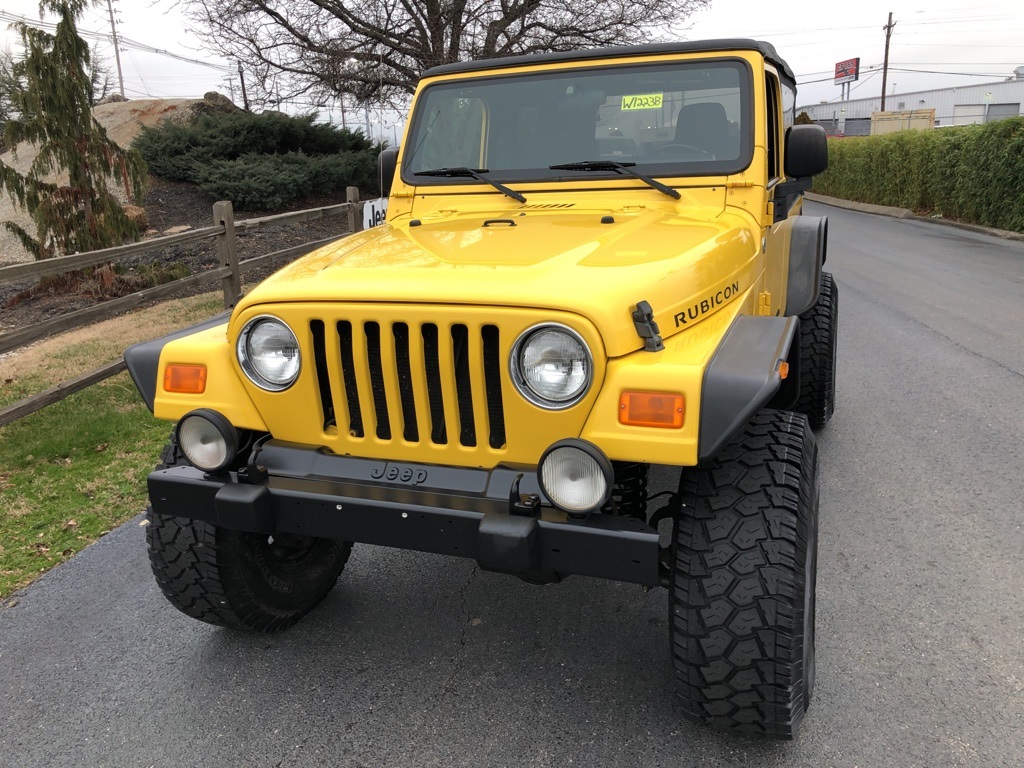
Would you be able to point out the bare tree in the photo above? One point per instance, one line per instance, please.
(376, 49)
(101, 81)
(8, 88)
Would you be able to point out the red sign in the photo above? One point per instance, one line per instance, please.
(848, 71)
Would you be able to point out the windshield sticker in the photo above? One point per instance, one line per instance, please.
(642, 101)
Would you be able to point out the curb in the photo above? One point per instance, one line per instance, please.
(904, 213)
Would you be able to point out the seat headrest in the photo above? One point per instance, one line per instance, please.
(705, 126)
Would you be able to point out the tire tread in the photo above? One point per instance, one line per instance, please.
(818, 329)
(202, 570)
(737, 590)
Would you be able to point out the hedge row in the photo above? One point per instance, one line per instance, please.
(972, 173)
(259, 162)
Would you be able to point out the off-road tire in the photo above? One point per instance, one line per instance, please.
(818, 328)
(741, 602)
(239, 580)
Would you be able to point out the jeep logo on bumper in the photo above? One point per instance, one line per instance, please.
(396, 473)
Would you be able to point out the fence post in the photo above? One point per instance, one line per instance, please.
(355, 219)
(224, 214)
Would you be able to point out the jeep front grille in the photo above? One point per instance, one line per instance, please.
(412, 369)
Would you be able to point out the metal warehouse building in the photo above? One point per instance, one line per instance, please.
(953, 106)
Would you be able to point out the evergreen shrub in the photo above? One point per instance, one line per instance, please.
(259, 162)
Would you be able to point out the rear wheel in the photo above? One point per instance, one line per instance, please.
(743, 581)
(240, 580)
(818, 328)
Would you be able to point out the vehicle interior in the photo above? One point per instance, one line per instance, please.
(678, 118)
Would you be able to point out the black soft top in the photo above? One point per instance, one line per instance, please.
(686, 46)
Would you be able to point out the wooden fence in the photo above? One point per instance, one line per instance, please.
(229, 273)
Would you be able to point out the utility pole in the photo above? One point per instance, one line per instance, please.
(117, 48)
(885, 64)
(245, 96)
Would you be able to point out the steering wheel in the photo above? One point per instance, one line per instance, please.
(669, 149)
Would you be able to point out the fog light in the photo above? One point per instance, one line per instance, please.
(207, 439)
(576, 476)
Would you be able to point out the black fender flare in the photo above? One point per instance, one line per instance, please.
(742, 377)
(807, 250)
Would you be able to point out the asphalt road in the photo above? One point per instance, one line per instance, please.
(420, 660)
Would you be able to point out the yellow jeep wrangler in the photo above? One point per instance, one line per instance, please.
(593, 262)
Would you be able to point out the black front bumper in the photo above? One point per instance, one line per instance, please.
(448, 510)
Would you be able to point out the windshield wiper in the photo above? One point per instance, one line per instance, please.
(611, 165)
(475, 173)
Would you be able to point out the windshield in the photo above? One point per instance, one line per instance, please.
(675, 119)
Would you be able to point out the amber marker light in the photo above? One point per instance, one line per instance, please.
(185, 379)
(652, 409)
(783, 369)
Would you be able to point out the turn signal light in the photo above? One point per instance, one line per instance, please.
(185, 379)
(652, 409)
(783, 369)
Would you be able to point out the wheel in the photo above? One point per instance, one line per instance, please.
(741, 603)
(818, 328)
(243, 581)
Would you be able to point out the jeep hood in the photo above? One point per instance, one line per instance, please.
(559, 261)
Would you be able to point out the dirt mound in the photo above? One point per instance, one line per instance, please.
(123, 121)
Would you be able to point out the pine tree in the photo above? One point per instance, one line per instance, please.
(53, 102)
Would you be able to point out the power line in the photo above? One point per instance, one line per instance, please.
(957, 63)
(959, 45)
(820, 80)
(761, 34)
(942, 72)
(125, 42)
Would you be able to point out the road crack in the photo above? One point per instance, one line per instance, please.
(872, 300)
(463, 638)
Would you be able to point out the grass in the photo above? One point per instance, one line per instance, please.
(77, 469)
(69, 474)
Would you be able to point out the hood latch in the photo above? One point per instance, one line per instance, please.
(646, 328)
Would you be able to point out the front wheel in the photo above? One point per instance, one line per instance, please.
(239, 580)
(743, 579)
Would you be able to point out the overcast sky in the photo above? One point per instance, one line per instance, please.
(944, 36)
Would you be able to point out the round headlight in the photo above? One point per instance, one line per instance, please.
(269, 353)
(207, 439)
(551, 366)
(576, 476)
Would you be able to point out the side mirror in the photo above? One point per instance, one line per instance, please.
(387, 162)
(806, 151)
